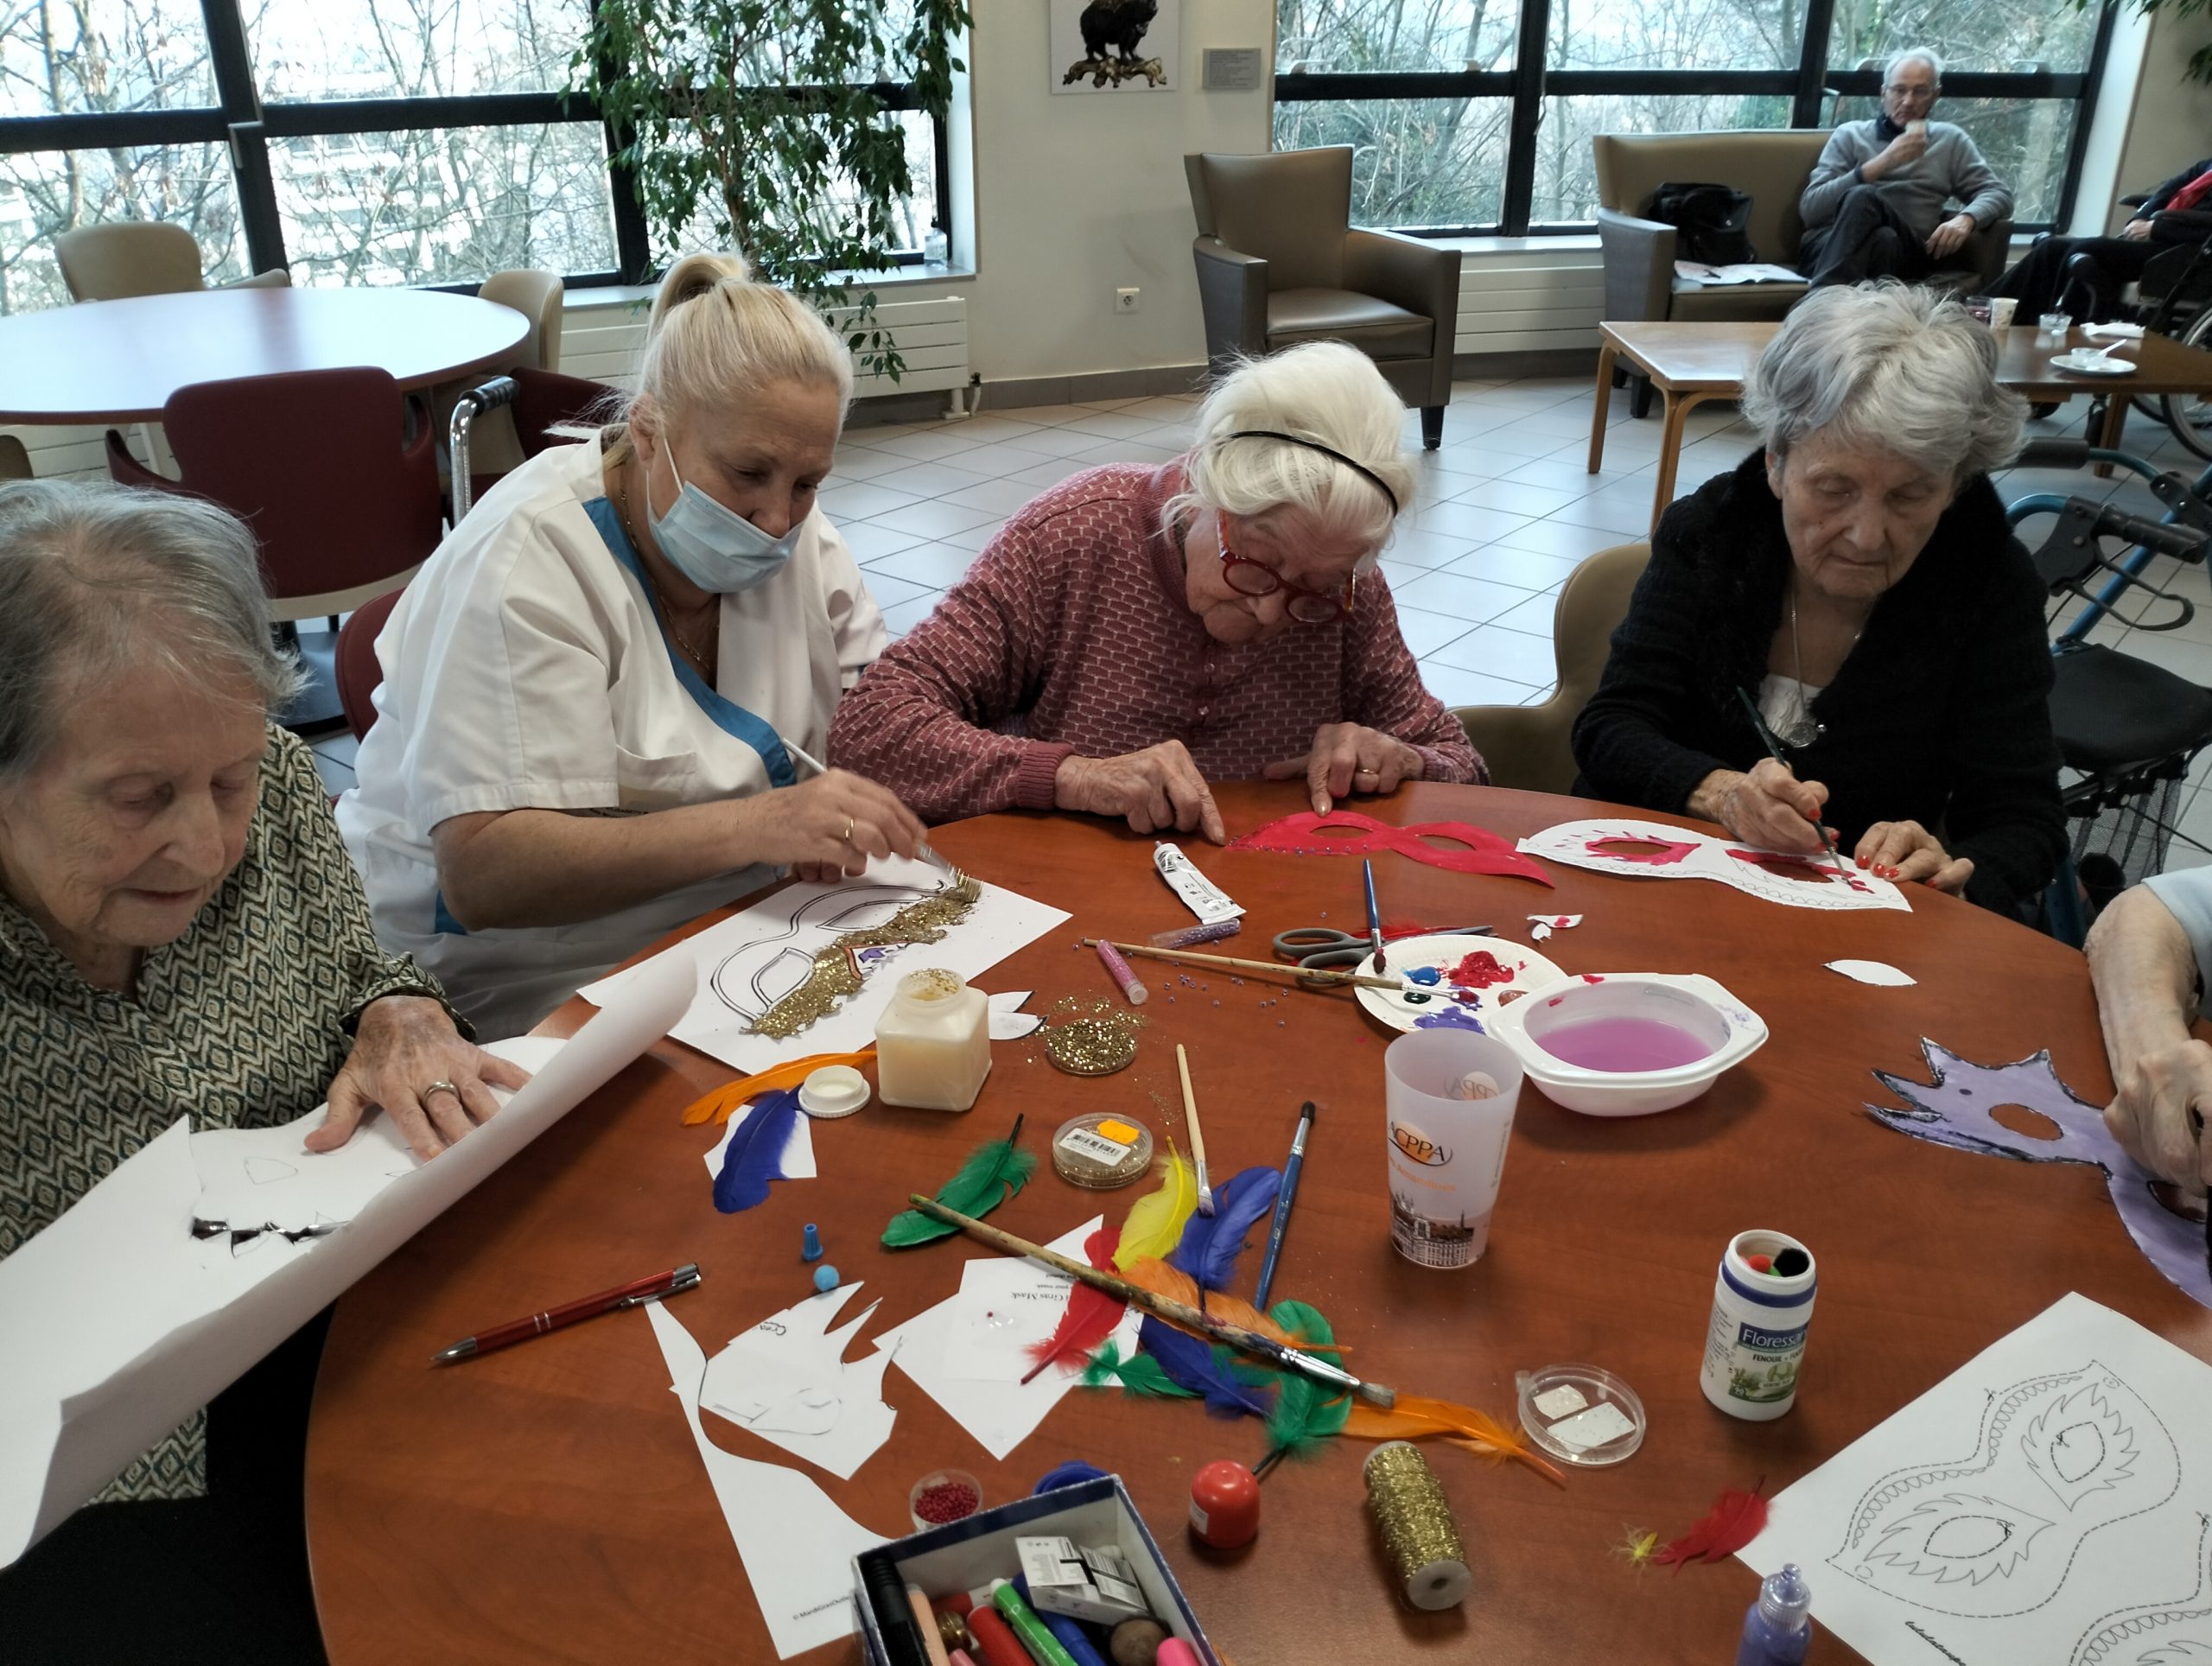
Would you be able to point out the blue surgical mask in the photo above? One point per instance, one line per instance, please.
(713, 545)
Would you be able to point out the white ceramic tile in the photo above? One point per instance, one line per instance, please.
(1516, 499)
(870, 542)
(1559, 538)
(1469, 520)
(890, 591)
(862, 500)
(903, 618)
(986, 429)
(930, 480)
(999, 495)
(1058, 442)
(1127, 451)
(1524, 569)
(1114, 425)
(1456, 686)
(1498, 652)
(1050, 473)
(973, 537)
(933, 566)
(1425, 632)
(1410, 546)
(928, 445)
(1471, 599)
(934, 519)
(862, 462)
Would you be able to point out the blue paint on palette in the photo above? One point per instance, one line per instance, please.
(1427, 975)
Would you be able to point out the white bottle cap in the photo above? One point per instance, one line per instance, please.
(834, 1090)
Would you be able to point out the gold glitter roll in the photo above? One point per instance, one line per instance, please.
(1090, 1046)
(836, 970)
(1419, 1535)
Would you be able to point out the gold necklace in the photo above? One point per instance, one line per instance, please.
(667, 612)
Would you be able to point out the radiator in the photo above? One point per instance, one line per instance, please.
(931, 336)
(1531, 299)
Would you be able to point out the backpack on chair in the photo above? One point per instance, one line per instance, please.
(1712, 219)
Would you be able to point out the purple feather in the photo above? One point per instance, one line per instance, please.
(1210, 1242)
(1191, 1364)
(755, 1155)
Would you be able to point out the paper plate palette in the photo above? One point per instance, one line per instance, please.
(1512, 969)
(2087, 361)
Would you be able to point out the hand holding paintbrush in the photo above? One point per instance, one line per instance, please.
(1771, 808)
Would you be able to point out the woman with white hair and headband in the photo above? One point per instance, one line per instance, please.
(1135, 632)
(587, 689)
(1855, 580)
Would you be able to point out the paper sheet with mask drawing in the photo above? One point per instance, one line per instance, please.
(2047, 1502)
(1638, 849)
(120, 1323)
(758, 955)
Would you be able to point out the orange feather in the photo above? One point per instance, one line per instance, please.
(1176, 1285)
(722, 1104)
(1418, 1417)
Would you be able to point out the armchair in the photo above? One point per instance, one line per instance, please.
(1278, 262)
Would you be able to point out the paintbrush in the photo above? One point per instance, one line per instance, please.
(961, 883)
(1374, 916)
(1320, 973)
(1774, 751)
(1284, 1193)
(1175, 1312)
(1198, 1140)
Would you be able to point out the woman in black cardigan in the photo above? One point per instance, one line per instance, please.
(1856, 579)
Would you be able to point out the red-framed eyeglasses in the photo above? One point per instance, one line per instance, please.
(1251, 578)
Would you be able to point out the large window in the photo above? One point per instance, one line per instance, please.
(357, 142)
(1477, 114)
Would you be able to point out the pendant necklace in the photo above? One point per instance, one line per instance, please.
(668, 614)
(1801, 729)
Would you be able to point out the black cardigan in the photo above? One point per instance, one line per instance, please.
(1941, 715)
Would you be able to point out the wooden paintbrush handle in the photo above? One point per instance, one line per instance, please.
(1316, 974)
(1191, 1109)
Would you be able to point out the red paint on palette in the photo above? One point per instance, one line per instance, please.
(1479, 970)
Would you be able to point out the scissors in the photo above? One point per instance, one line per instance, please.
(1322, 948)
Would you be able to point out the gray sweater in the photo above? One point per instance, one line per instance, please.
(1950, 170)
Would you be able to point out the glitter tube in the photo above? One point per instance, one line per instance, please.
(1415, 1524)
(1118, 970)
(1190, 936)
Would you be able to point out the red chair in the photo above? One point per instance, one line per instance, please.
(360, 675)
(543, 400)
(344, 504)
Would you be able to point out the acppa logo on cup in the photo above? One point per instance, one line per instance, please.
(1418, 1147)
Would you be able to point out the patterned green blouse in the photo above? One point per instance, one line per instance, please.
(242, 1022)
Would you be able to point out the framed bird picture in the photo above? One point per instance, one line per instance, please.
(1116, 46)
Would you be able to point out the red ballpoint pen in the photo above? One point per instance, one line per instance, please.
(624, 1295)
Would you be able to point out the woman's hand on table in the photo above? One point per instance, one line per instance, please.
(2158, 1118)
(827, 827)
(404, 1047)
(1154, 790)
(1908, 853)
(1769, 807)
(1350, 758)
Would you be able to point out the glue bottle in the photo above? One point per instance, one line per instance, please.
(1779, 1630)
(933, 1042)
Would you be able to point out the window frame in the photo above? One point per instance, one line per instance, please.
(1530, 82)
(243, 122)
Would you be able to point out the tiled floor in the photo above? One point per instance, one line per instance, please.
(1505, 512)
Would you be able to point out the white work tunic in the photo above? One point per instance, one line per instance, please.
(526, 668)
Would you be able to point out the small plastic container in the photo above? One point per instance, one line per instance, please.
(942, 1497)
(1635, 1042)
(1582, 1414)
(933, 1042)
(1755, 1340)
(2055, 325)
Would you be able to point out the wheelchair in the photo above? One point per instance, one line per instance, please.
(2172, 298)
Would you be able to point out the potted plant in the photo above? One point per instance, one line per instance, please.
(770, 126)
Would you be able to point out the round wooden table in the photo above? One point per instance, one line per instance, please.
(118, 362)
(547, 1504)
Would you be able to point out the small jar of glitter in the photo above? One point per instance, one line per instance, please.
(933, 1042)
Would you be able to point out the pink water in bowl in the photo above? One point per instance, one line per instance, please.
(1624, 1044)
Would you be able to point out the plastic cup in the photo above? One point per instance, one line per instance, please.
(2001, 309)
(1978, 307)
(1447, 1150)
(2056, 324)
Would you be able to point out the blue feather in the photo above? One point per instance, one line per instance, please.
(755, 1155)
(1192, 1364)
(1210, 1242)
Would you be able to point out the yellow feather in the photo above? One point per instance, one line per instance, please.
(722, 1104)
(1155, 1224)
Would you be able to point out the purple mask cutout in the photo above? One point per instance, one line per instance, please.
(1954, 1107)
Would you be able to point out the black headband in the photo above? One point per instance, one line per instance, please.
(1326, 450)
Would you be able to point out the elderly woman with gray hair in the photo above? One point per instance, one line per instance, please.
(1855, 578)
(181, 933)
(1135, 632)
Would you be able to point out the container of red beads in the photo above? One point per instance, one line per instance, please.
(945, 1495)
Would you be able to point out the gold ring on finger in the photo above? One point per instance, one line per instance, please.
(439, 1087)
(846, 837)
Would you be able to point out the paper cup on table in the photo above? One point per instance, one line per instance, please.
(1447, 1148)
(2001, 309)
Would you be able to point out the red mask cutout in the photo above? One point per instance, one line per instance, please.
(1347, 833)
(1648, 852)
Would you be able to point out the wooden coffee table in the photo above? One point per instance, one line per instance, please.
(1691, 362)
(546, 1502)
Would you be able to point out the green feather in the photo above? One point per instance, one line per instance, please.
(995, 1171)
(1139, 1374)
(1306, 1413)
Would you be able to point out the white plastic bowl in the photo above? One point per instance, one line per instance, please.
(1697, 1005)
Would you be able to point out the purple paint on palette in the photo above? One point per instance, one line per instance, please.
(1450, 1018)
(1954, 1109)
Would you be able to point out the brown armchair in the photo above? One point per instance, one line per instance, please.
(1278, 262)
(1771, 167)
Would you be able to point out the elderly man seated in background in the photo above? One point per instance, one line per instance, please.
(2148, 954)
(1878, 202)
(1135, 632)
(181, 933)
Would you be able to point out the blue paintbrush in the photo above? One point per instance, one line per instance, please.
(1290, 1170)
(1374, 916)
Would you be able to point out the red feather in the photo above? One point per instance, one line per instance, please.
(1091, 1315)
(1733, 1522)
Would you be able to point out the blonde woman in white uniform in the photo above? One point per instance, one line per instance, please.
(579, 743)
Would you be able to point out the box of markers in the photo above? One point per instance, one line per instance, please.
(966, 1556)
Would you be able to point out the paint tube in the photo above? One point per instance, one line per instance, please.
(1199, 894)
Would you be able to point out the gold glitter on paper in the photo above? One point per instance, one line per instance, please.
(836, 971)
(1414, 1522)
